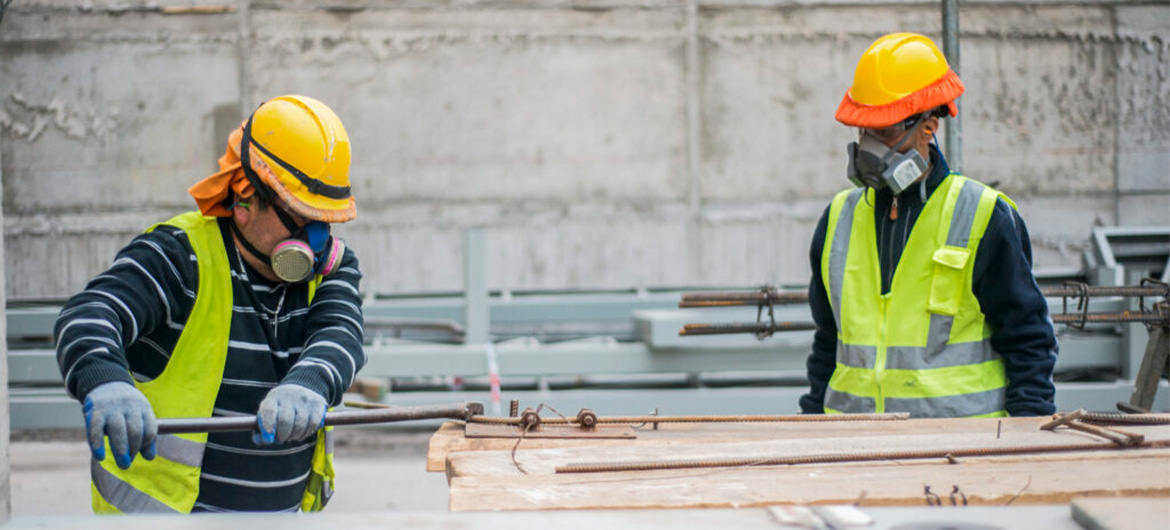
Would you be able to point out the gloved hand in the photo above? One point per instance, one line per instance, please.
(289, 413)
(120, 411)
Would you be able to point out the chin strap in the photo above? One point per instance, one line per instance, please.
(248, 246)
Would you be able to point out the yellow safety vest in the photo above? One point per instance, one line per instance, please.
(187, 388)
(923, 347)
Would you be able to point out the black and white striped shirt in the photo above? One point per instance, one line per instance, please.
(129, 318)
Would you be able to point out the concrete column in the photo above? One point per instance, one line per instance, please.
(5, 430)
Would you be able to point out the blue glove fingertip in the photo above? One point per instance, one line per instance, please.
(124, 460)
(99, 454)
(265, 436)
(150, 451)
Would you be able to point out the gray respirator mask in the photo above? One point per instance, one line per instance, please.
(875, 165)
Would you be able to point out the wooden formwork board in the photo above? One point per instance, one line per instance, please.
(483, 476)
(449, 438)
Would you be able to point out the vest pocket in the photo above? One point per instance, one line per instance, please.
(947, 283)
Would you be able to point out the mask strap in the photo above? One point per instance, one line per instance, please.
(248, 246)
(287, 221)
(894, 150)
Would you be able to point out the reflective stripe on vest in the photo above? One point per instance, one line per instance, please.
(922, 348)
(187, 388)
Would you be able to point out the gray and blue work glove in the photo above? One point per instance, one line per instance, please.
(289, 413)
(120, 411)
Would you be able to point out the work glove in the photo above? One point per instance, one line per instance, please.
(288, 413)
(120, 411)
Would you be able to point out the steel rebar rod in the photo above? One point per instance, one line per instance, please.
(1128, 291)
(744, 327)
(1107, 318)
(896, 416)
(742, 298)
(850, 457)
(455, 411)
(753, 298)
(767, 327)
(1140, 419)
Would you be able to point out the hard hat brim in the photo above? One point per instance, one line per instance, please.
(298, 198)
(944, 91)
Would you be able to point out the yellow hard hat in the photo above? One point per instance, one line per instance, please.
(900, 75)
(299, 149)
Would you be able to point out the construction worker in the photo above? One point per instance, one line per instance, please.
(921, 289)
(248, 306)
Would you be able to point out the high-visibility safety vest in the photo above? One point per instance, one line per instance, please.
(923, 347)
(187, 388)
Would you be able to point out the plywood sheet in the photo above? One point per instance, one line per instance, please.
(484, 474)
(450, 439)
(984, 482)
(545, 460)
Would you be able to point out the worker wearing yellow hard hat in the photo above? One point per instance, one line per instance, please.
(248, 306)
(922, 289)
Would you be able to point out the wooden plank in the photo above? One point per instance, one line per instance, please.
(988, 481)
(545, 460)
(449, 438)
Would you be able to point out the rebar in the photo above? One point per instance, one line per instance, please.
(1108, 290)
(764, 297)
(1107, 318)
(744, 327)
(766, 327)
(1116, 436)
(850, 457)
(725, 299)
(1137, 419)
(896, 416)
(457, 411)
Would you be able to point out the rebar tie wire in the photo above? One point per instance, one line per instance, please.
(606, 467)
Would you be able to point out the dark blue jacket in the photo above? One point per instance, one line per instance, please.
(1008, 295)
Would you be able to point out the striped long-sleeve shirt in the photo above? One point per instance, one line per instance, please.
(126, 322)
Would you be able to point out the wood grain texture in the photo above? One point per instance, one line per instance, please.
(483, 476)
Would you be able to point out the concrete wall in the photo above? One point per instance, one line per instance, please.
(609, 143)
(5, 428)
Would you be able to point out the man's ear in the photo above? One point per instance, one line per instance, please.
(930, 126)
(241, 215)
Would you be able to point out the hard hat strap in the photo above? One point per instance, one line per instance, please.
(248, 246)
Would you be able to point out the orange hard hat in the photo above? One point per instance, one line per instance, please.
(900, 75)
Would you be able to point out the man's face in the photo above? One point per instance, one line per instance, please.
(267, 229)
(891, 136)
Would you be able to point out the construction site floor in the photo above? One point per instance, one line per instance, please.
(378, 471)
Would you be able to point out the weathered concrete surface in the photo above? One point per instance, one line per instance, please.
(601, 144)
(5, 428)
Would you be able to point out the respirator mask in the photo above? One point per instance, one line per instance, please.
(873, 164)
(308, 250)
